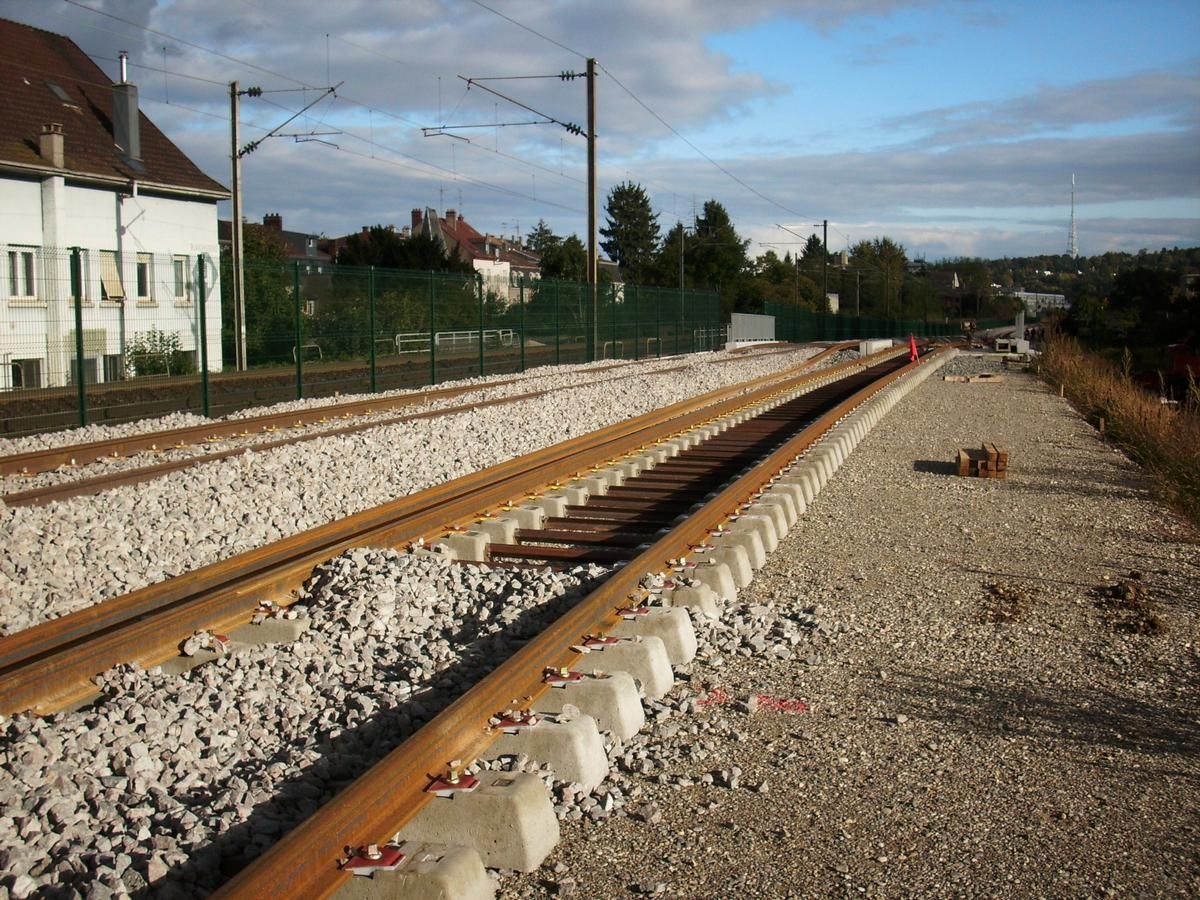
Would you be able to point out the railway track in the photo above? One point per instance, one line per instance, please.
(312, 860)
(41, 461)
(51, 665)
(81, 454)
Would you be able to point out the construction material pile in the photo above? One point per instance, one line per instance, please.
(988, 462)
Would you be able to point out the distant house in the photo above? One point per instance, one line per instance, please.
(312, 251)
(1035, 304)
(82, 167)
(501, 261)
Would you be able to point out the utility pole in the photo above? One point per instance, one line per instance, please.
(236, 153)
(239, 283)
(825, 262)
(593, 259)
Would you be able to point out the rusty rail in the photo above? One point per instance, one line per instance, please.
(50, 665)
(35, 462)
(305, 862)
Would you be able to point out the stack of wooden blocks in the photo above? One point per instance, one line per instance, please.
(989, 462)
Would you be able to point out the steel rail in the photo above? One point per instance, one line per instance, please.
(76, 455)
(67, 489)
(50, 665)
(35, 461)
(305, 862)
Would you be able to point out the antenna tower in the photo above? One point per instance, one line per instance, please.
(1073, 247)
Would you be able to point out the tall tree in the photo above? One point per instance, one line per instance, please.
(718, 252)
(387, 248)
(565, 260)
(631, 237)
(542, 238)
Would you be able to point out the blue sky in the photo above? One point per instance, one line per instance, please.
(953, 127)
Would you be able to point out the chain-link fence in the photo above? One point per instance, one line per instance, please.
(130, 323)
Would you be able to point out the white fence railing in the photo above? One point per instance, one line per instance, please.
(418, 341)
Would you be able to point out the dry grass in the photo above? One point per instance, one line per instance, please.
(1164, 439)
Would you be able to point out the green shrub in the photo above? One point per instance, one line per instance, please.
(156, 352)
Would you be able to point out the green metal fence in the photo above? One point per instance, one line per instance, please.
(793, 323)
(130, 323)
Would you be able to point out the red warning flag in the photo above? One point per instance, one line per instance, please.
(912, 348)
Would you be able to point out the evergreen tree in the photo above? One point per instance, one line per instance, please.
(565, 260)
(631, 238)
(542, 238)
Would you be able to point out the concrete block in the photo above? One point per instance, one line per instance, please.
(699, 597)
(526, 516)
(729, 554)
(501, 530)
(763, 524)
(785, 500)
(671, 624)
(469, 546)
(571, 747)
(270, 631)
(595, 485)
(773, 511)
(628, 468)
(610, 699)
(803, 478)
(615, 476)
(428, 872)
(177, 665)
(716, 577)
(646, 660)
(666, 450)
(576, 496)
(749, 541)
(551, 504)
(508, 820)
(645, 459)
(795, 492)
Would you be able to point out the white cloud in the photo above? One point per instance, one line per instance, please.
(399, 62)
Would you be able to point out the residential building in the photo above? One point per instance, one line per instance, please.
(1036, 304)
(81, 166)
(502, 262)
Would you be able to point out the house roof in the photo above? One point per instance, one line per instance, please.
(45, 78)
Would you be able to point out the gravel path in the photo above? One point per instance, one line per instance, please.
(973, 708)
(68, 555)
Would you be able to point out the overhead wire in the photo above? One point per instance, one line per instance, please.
(306, 86)
(644, 106)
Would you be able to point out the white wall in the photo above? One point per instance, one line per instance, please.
(97, 219)
(20, 211)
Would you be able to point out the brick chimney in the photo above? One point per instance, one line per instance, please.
(417, 219)
(126, 126)
(273, 221)
(451, 220)
(50, 144)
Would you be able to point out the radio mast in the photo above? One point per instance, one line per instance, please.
(1073, 247)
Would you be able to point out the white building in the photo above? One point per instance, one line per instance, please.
(82, 167)
(1036, 304)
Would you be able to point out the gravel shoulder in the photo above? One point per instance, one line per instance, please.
(982, 716)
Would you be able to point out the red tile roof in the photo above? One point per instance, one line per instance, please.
(34, 62)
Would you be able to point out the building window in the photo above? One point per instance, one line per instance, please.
(110, 276)
(183, 288)
(145, 278)
(114, 367)
(27, 373)
(20, 274)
